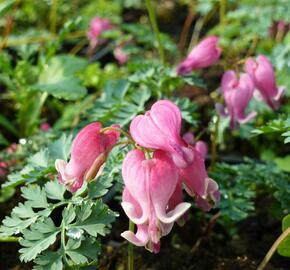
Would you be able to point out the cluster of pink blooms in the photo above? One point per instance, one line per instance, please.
(259, 81)
(153, 196)
(97, 27)
(154, 173)
(237, 89)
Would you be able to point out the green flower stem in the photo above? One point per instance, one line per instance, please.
(103, 130)
(154, 24)
(131, 249)
(214, 138)
(273, 249)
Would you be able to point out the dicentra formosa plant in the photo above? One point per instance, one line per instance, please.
(155, 171)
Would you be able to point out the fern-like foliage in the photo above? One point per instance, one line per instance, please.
(279, 126)
(240, 184)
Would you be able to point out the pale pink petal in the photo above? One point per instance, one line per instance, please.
(135, 179)
(194, 176)
(139, 239)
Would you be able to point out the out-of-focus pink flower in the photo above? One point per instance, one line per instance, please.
(121, 56)
(200, 146)
(11, 148)
(3, 168)
(45, 127)
(263, 76)
(97, 27)
(237, 94)
(160, 128)
(205, 54)
(150, 184)
(88, 154)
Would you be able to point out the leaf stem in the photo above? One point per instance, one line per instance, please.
(153, 20)
(9, 239)
(214, 137)
(131, 249)
(273, 248)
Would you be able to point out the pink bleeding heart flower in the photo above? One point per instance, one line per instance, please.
(97, 27)
(205, 54)
(150, 183)
(197, 183)
(237, 95)
(148, 234)
(160, 128)
(121, 56)
(88, 153)
(200, 146)
(263, 76)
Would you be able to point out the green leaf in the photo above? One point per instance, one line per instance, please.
(40, 236)
(35, 196)
(188, 110)
(14, 225)
(40, 158)
(4, 122)
(54, 190)
(284, 247)
(49, 260)
(60, 149)
(283, 163)
(117, 104)
(94, 218)
(69, 89)
(3, 140)
(58, 78)
(68, 215)
(5, 6)
(81, 251)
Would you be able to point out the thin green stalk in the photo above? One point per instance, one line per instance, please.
(131, 249)
(154, 24)
(273, 249)
(223, 4)
(53, 16)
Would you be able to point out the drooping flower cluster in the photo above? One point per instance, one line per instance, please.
(153, 197)
(259, 81)
(88, 153)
